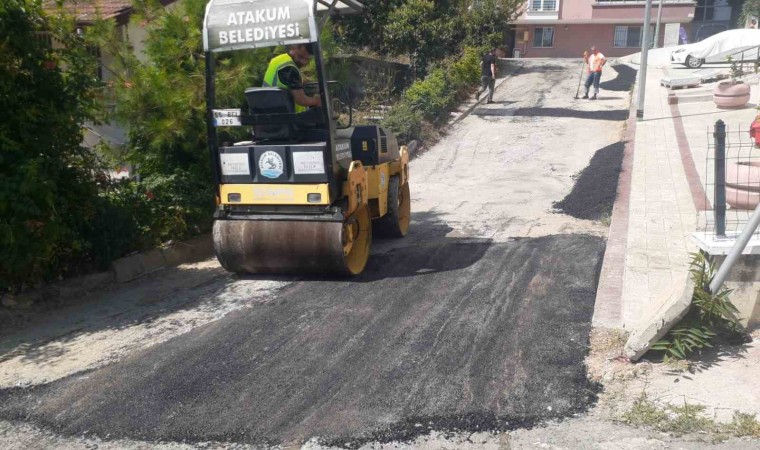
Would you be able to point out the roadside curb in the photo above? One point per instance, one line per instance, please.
(135, 266)
(122, 270)
(608, 306)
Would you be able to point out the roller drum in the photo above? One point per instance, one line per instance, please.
(262, 246)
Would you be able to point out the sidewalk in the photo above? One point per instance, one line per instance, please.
(660, 197)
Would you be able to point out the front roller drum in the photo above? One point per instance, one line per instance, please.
(294, 246)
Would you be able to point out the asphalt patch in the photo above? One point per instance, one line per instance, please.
(595, 190)
(446, 335)
(626, 77)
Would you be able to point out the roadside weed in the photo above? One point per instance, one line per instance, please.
(710, 313)
(744, 425)
(687, 418)
(645, 413)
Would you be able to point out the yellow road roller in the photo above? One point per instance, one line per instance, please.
(306, 192)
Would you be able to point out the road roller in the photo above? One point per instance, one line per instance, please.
(308, 189)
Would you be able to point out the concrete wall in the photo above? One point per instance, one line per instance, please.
(679, 12)
(575, 9)
(744, 280)
(571, 40)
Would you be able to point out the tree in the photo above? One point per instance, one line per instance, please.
(424, 30)
(486, 21)
(368, 28)
(161, 97)
(47, 184)
(750, 8)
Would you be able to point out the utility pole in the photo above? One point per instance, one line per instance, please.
(657, 28)
(644, 55)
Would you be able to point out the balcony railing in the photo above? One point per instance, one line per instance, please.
(543, 6)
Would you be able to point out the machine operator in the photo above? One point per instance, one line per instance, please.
(283, 72)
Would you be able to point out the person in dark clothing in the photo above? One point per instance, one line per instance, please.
(487, 75)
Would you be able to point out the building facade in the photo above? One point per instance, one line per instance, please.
(565, 28)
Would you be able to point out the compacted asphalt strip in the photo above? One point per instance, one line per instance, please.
(469, 335)
(478, 320)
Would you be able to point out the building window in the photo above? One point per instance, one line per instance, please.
(94, 51)
(543, 5)
(705, 11)
(543, 37)
(631, 37)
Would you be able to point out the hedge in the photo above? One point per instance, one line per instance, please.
(427, 102)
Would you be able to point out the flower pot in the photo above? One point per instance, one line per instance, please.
(743, 184)
(729, 94)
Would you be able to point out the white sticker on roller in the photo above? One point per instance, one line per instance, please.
(235, 164)
(308, 163)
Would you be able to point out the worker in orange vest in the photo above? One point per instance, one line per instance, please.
(595, 61)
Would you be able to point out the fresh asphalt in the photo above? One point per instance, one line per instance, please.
(444, 331)
(466, 335)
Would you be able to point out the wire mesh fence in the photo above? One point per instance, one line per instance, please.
(732, 181)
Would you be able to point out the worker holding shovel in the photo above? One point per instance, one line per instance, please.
(595, 61)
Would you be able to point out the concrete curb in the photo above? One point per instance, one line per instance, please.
(674, 99)
(608, 307)
(673, 309)
(122, 270)
(135, 266)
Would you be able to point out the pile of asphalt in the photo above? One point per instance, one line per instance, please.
(447, 335)
(626, 77)
(595, 189)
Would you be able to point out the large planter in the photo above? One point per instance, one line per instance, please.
(730, 94)
(743, 184)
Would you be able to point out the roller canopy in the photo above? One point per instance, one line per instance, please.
(245, 24)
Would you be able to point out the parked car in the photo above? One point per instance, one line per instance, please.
(739, 44)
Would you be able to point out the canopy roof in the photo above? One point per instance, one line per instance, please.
(245, 24)
(342, 7)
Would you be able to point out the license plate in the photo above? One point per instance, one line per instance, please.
(227, 117)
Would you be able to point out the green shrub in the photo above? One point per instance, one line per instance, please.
(135, 216)
(709, 313)
(431, 96)
(47, 190)
(427, 102)
(404, 121)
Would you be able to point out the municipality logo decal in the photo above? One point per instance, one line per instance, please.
(270, 164)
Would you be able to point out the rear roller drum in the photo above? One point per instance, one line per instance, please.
(269, 246)
(395, 223)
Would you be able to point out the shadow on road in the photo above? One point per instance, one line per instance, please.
(615, 114)
(542, 68)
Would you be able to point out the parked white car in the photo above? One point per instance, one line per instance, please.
(739, 44)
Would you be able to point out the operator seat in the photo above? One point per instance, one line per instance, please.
(272, 100)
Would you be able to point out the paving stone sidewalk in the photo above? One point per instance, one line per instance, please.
(661, 202)
(655, 213)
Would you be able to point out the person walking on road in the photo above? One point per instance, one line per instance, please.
(487, 75)
(595, 61)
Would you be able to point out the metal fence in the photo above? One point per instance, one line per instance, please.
(732, 181)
